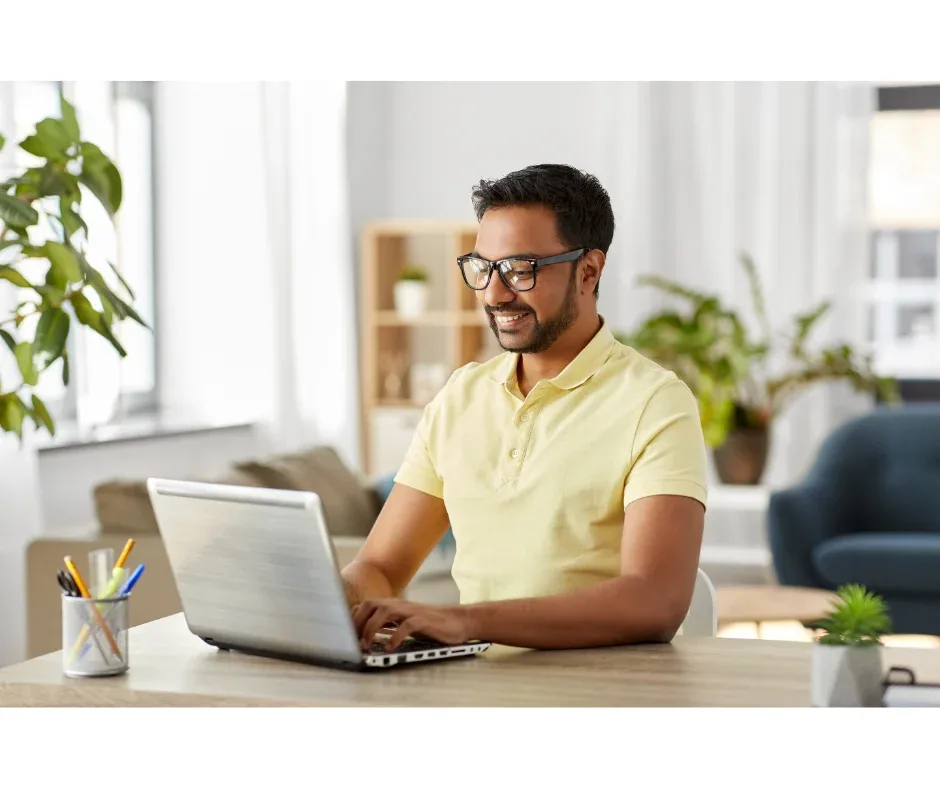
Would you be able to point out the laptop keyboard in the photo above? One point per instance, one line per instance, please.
(411, 644)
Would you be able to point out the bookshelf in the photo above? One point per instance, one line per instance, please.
(397, 349)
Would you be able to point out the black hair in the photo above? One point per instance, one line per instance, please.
(583, 215)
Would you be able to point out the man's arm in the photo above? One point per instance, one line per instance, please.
(660, 551)
(408, 528)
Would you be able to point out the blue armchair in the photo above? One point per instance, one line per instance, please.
(869, 512)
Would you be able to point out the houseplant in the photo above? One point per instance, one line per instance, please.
(710, 347)
(44, 256)
(411, 291)
(847, 657)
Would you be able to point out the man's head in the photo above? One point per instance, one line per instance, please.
(540, 212)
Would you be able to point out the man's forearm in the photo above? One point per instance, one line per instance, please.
(618, 611)
(365, 581)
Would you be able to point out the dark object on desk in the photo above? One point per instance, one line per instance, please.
(868, 512)
(902, 689)
(67, 584)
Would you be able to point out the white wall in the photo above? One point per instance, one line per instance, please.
(438, 139)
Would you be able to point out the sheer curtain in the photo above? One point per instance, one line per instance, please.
(304, 153)
(777, 169)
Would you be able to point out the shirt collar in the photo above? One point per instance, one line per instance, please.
(581, 368)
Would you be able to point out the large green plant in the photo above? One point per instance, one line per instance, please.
(858, 617)
(709, 346)
(43, 247)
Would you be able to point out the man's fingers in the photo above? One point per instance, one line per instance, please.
(405, 628)
(379, 618)
(362, 613)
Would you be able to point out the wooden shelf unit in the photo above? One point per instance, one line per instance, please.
(452, 332)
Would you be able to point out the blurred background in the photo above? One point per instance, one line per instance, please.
(291, 247)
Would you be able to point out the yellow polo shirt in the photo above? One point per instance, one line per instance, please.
(536, 486)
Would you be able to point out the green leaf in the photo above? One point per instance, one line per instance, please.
(101, 177)
(65, 368)
(10, 242)
(64, 260)
(2, 141)
(24, 360)
(51, 335)
(69, 121)
(17, 213)
(121, 279)
(12, 413)
(53, 182)
(42, 414)
(37, 146)
(72, 221)
(87, 315)
(52, 131)
(96, 280)
(7, 337)
(13, 276)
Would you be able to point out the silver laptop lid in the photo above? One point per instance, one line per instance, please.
(255, 568)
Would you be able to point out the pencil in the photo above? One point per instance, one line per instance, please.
(83, 590)
(124, 554)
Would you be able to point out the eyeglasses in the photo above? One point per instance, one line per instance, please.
(517, 273)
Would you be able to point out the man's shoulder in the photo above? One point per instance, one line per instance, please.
(639, 375)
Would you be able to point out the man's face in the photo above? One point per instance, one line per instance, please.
(528, 321)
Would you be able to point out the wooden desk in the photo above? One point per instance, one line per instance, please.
(171, 667)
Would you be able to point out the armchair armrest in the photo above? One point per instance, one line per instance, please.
(798, 520)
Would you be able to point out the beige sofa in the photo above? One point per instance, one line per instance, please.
(124, 511)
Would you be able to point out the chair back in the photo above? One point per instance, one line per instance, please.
(702, 618)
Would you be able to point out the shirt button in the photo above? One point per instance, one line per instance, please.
(524, 417)
(514, 454)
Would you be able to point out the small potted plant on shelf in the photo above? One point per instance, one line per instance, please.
(411, 292)
(847, 657)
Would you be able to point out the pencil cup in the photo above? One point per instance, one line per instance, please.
(94, 636)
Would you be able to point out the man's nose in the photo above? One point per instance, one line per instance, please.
(496, 292)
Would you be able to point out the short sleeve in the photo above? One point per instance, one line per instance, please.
(669, 454)
(417, 469)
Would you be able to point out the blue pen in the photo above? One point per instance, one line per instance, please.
(128, 587)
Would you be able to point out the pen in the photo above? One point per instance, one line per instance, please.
(83, 589)
(128, 587)
(124, 554)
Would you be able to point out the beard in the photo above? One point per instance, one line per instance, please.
(542, 335)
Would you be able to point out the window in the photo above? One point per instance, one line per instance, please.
(116, 116)
(904, 286)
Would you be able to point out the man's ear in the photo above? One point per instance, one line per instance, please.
(591, 268)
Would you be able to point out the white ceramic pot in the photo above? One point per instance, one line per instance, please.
(411, 298)
(847, 676)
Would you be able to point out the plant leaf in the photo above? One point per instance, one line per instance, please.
(37, 146)
(87, 315)
(13, 276)
(65, 368)
(64, 260)
(69, 121)
(72, 221)
(7, 337)
(24, 360)
(51, 335)
(52, 131)
(101, 177)
(10, 242)
(121, 279)
(17, 213)
(42, 414)
(2, 141)
(12, 413)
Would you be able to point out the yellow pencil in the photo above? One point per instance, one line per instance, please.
(124, 554)
(83, 590)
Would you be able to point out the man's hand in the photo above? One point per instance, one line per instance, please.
(446, 623)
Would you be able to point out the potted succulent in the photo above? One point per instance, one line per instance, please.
(847, 657)
(411, 292)
(709, 346)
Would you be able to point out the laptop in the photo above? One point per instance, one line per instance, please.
(256, 573)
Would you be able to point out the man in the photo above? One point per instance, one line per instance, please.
(570, 468)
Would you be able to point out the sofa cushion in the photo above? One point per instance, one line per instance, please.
(902, 563)
(350, 506)
(123, 508)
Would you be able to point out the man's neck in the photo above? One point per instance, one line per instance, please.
(534, 367)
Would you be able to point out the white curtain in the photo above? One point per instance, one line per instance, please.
(777, 169)
(311, 262)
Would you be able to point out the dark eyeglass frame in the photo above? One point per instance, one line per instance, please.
(503, 267)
